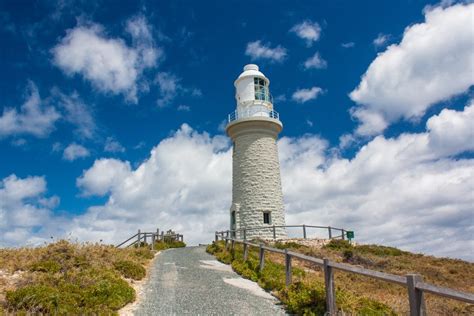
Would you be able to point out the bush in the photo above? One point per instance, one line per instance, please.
(163, 245)
(46, 266)
(338, 244)
(130, 269)
(77, 296)
(143, 253)
(381, 251)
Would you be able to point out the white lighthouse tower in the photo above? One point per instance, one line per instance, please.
(257, 199)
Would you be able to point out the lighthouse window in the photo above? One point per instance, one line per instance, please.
(266, 217)
(261, 89)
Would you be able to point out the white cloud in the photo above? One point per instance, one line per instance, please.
(113, 146)
(108, 63)
(307, 30)
(74, 151)
(381, 40)
(169, 87)
(184, 108)
(316, 62)
(305, 95)
(24, 209)
(429, 65)
(33, 118)
(103, 176)
(348, 45)
(257, 50)
(77, 113)
(404, 191)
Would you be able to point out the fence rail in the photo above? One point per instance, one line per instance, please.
(341, 232)
(413, 282)
(154, 237)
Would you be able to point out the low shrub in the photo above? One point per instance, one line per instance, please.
(130, 269)
(163, 245)
(45, 266)
(381, 251)
(338, 244)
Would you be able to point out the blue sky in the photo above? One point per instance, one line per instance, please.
(87, 90)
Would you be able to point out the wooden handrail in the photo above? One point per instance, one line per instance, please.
(413, 282)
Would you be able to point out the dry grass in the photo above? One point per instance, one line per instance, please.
(452, 273)
(69, 278)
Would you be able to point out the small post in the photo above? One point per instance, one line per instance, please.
(343, 234)
(246, 251)
(329, 286)
(152, 246)
(330, 232)
(274, 232)
(245, 234)
(288, 268)
(217, 237)
(261, 256)
(232, 244)
(162, 236)
(138, 239)
(415, 296)
(304, 231)
(144, 237)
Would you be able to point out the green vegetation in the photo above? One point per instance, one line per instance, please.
(355, 294)
(305, 296)
(162, 245)
(78, 279)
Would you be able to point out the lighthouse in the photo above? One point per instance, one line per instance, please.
(257, 199)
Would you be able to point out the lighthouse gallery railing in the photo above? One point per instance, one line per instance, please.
(253, 111)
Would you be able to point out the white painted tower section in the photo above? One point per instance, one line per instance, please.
(257, 199)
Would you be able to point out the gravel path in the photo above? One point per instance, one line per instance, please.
(188, 281)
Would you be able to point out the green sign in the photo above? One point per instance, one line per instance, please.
(350, 234)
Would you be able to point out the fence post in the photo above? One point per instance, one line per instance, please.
(144, 237)
(152, 246)
(138, 239)
(162, 236)
(343, 234)
(246, 251)
(261, 256)
(274, 232)
(232, 244)
(217, 237)
(330, 232)
(415, 296)
(245, 234)
(329, 286)
(304, 231)
(288, 267)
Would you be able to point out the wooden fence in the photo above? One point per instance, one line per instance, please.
(136, 239)
(413, 282)
(340, 232)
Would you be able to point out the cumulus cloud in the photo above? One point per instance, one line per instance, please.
(305, 95)
(108, 63)
(33, 117)
(75, 151)
(316, 62)
(258, 50)
(408, 191)
(24, 209)
(169, 87)
(308, 31)
(429, 65)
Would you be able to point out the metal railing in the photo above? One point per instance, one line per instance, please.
(136, 239)
(333, 232)
(253, 111)
(413, 282)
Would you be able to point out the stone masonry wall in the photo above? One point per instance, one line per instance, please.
(256, 183)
